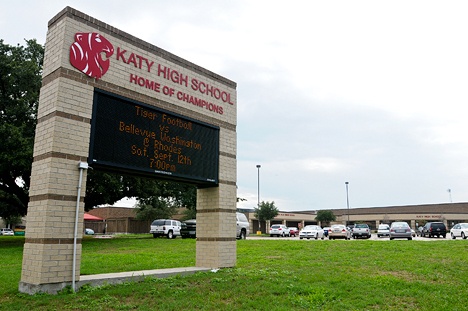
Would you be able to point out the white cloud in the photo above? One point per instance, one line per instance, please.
(369, 92)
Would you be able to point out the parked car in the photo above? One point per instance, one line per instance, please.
(6, 231)
(279, 230)
(188, 229)
(89, 231)
(165, 227)
(459, 230)
(311, 232)
(400, 230)
(243, 226)
(339, 232)
(361, 231)
(293, 231)
(383, 230)
(432, 229)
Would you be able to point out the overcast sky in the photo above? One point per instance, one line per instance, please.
(373, 93)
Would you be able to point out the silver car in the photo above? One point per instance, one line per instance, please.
(339, 232)
(6, 231)
(400, 230)
(383, 230)
(311, 232)
(279, 230)
(459, 230)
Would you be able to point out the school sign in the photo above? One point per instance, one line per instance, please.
(111, 101)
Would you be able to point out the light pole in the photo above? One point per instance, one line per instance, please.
(450, 194)
(347, 200)
(258, 185)
(258, 192)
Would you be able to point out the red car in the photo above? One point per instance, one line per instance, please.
(293, 231)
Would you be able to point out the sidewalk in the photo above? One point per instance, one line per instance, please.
(134, 276)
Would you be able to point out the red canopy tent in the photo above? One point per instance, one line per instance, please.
(90, 217)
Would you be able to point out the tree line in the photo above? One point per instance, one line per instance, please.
(20, 83)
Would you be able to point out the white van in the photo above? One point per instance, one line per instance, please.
(243, 226)
(167, 227)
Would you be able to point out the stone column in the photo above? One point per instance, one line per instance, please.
(61, 143)
(216, 227)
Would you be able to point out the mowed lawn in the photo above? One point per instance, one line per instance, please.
(270, 275)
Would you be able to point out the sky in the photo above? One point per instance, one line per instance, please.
(373, 93)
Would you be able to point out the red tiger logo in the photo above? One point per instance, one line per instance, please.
(86, 54)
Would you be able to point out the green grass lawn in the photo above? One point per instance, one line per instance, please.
(270, 275)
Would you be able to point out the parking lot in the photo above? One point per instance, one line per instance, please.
(373, 237)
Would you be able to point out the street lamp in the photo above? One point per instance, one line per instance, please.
(347, 199)
(450, 194)
(258, 185)
(258, 192)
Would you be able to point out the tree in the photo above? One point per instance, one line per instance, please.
(20, 82)
(154, 208)
(12, 220)
(109, 187)
(266, 211)
(165, 198)
(325, 216)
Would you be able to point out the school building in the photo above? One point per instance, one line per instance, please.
(415, 215)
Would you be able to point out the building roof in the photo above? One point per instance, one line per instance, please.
(445, 208)
(106, 212)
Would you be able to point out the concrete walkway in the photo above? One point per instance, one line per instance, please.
(134, 276)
